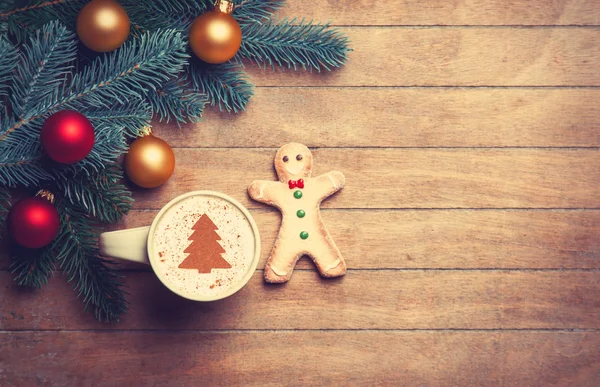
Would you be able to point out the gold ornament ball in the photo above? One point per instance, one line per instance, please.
(215, 36)
(149, 162)
(103, 25)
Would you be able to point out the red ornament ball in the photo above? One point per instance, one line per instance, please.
(67, 137)
(33, 222)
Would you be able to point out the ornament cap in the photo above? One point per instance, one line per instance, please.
(43, 193)
(224, 6)
(145, 131)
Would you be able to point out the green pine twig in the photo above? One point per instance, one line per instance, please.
(4, 207)
(116, 82)
(23, 20)
(151, 15)
(127, 119)
(226, 85)
(126, 74)
(26, 171)
(294, 45)
(177, 102)
(255, 11)
(8, 61)
(43, 65)
(98, 285)
(101, 196)
(32, 267)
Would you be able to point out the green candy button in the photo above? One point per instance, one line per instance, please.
(300, 213)
(297, 194)
(303, 235)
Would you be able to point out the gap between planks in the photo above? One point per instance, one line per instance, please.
(424, 148)
(469, 26)
(427, 87)
(332, 330)
(395, 269)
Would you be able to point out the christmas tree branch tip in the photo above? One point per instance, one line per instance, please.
(295, 45)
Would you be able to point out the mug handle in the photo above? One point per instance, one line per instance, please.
(128, 245)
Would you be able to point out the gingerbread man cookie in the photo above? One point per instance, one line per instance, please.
(298, 196)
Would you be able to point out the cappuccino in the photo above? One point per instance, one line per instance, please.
(203, 246)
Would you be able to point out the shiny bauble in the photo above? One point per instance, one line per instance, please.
(67, 136)
(150, 162)
(103, 25)
(33, 222)
(215, 36)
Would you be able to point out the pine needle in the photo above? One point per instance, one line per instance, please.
(294, 45)
(226, 85)
(32, 267)
(98, 285)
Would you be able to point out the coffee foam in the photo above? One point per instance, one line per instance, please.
(171, 239)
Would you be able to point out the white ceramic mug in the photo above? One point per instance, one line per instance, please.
(202, 245)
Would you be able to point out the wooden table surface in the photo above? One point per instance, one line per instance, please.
(469, 133)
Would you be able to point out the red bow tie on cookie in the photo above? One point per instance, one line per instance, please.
(296, 183)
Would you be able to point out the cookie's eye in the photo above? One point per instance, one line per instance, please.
(285, 159)
(299, 157)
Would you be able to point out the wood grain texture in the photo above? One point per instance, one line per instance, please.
(443, 12)
(381, 299)
(458, 57)
(468, 266)
(403, 178)
(399, 117)
(444, 239)
(301, 358)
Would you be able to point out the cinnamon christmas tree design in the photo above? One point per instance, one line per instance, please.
(205, 250)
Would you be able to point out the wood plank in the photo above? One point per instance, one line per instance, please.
(397, 117)
(457, 57)
(439, 238)
(361, 300)
(404, 178)
(443, 12)
(301, 358)
(446, 239)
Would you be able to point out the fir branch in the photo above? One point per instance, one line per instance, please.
(122, 76)
(96, 283)
(126, 74)
(32, 267)
(24, 143)
(109, 144)
(27, 171)
(8, 62)
(287, 44)
(4, 206)
(152, 15)
(7, 5)
(128, 119)
(175, 101)
(23, 21)
(35, 5)
(22, 160)
(225, 85)
(43, 65)
(100, 196)
(256, 11)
